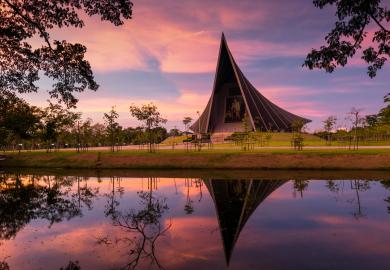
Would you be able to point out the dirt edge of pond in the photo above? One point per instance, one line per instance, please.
(200, 161)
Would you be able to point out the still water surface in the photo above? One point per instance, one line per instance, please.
(72, 222)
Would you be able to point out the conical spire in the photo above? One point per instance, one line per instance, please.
(231, 84)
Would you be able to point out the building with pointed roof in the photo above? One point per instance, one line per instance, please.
(235, 201)
(233, 96)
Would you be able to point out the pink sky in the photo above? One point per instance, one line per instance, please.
(167, 55)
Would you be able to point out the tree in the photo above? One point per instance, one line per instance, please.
(61, 61)
(18, 120)
(174, 132)
(300, 186)
(356, 119)
(186, 121)
(112, 126)
(384, 114)
(150, 116)
(329, 124)
(84, 134)
(5, 138)
(56, 120)
(348, 34)
(160, 134)
(372, 120)
(246, 137)
(297, 126)
(188, 207)
(133, 135)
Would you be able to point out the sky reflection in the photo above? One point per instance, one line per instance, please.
(193, 223)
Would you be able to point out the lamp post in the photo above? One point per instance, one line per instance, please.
(78, 137)
(197, 112)
(174, 138)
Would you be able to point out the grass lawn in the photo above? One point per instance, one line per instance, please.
(174, 139)
(216, 158)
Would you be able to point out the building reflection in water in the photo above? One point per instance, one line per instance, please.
(235, 201)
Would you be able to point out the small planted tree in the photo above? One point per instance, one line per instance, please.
(356, 119)
(329, 124)
(298, 126)
(112, 126)
(268, 137)
(187, 121)
(87, 134)
(247, 140)
(151, 117)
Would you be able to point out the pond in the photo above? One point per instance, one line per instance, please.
(113, 221)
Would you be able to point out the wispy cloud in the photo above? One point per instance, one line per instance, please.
(168, 52)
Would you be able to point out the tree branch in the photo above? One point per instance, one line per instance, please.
(30, 21)
(379, 24)
(361, 31)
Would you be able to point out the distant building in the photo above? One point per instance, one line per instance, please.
(233, 96)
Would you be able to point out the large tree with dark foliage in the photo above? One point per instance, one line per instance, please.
(350, 30)
(17, 118)
(21, 64)
(55, 120)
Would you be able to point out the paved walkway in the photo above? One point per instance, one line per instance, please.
(219, 147)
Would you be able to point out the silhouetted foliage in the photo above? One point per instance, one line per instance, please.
(112, 127)
(372, 120)
(72, 266)
(18, 120)
(333, 186)
(4, 266)
(187, 121)
(20, 203)
(21, 64)
(329, 124)
(85, 194)
(55, 121)
(348, 34)
(384, 113)
(301, 186)
(298, 126)
(146, 226)
(386, 184)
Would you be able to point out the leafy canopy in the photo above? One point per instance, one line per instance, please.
(63, 62)
(147, 113)
(55, 120)
(17, 117)
(348, 34)
(329, 123)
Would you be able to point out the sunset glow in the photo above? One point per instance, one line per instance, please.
(168, 52)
